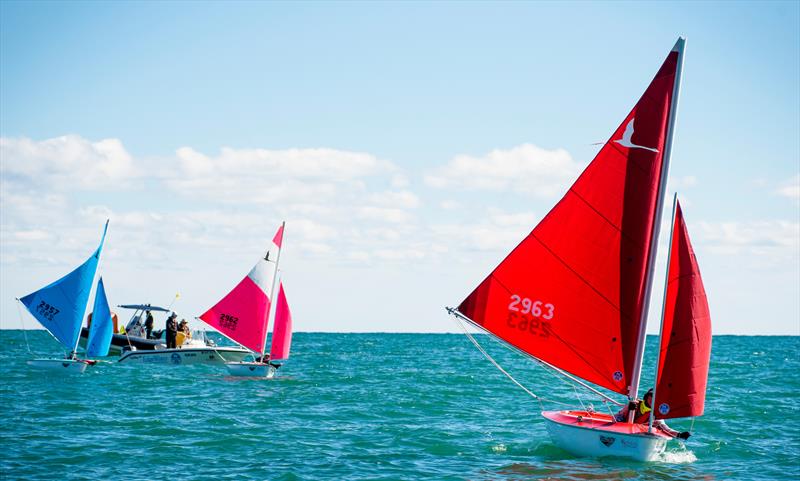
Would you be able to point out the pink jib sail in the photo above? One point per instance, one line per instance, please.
(686, 333)
(242, 314)
(282, 331)
(572, 292)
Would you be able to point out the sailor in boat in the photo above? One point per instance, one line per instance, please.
(184, 334)
(265, 360)
(148, 325)
(172, 330)
(643, 408)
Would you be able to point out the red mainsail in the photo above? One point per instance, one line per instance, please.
(685, 333)
(572, 292)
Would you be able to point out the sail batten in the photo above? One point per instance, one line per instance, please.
(572, 293)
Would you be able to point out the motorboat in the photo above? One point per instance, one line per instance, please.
(197, 348)
(134, 335)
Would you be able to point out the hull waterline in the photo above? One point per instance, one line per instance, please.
(250, 369)
(69, 366)
(177, 357)
(597, 435)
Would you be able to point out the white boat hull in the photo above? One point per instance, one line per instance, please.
(194, 355)
(70, 366)
(596, 435)
(250, 369)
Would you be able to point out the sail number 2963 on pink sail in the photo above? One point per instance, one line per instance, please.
(530, 315)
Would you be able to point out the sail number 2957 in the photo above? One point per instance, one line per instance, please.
(534, 308)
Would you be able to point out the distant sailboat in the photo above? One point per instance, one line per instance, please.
(243, 315)
(60, 308)
(574, 295)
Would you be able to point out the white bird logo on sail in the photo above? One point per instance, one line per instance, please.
(627, 139)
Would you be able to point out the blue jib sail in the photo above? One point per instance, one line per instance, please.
(60, 306)
(102, 330)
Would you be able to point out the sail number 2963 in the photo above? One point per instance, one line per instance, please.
(534, 308)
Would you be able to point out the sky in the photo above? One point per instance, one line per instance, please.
(408, 146)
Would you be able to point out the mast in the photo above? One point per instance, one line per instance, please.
(272, 291)
(633, 391)
(663, 311)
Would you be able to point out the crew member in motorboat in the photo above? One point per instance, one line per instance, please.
(642, 416)
(184, 326)
(172, 330)
(148, 325)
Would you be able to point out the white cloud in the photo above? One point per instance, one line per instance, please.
(384, 214)
(678, 183)
(791, 188)
(402, 199)
(67, 162)
(525, 169)
(450, 204)
(777, 239)
(498, 231)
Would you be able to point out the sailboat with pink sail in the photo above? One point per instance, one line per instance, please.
(575, 293)
(243, 315)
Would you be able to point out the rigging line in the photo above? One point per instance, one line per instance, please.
(474, 341)
(455, 312)
(549, 371)
(579, 398)
(487, 356)
(24, 331)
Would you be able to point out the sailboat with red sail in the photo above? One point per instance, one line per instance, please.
(243, 315)
(575, 293)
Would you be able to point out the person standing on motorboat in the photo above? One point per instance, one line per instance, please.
(148, 325)
(642, 416)
(172, 330)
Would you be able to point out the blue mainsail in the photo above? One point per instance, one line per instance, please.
(60, 306)
(101, 332)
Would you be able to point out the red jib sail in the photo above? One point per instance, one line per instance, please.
(685, 334)
(572, 292)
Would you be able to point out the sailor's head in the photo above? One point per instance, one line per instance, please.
(648, 398)
(173, 316)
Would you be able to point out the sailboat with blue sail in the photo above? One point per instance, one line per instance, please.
(60, 306)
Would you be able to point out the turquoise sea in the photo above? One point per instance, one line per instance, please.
(372, 406)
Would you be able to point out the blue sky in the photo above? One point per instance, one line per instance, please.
(197, 127)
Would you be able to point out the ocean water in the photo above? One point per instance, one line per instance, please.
(372, 406)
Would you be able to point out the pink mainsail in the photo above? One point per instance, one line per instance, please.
(242, 314)
(282, 331)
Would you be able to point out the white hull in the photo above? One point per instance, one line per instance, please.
(194, 355)
(582, 437)
(250, 369)
(70, 366)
